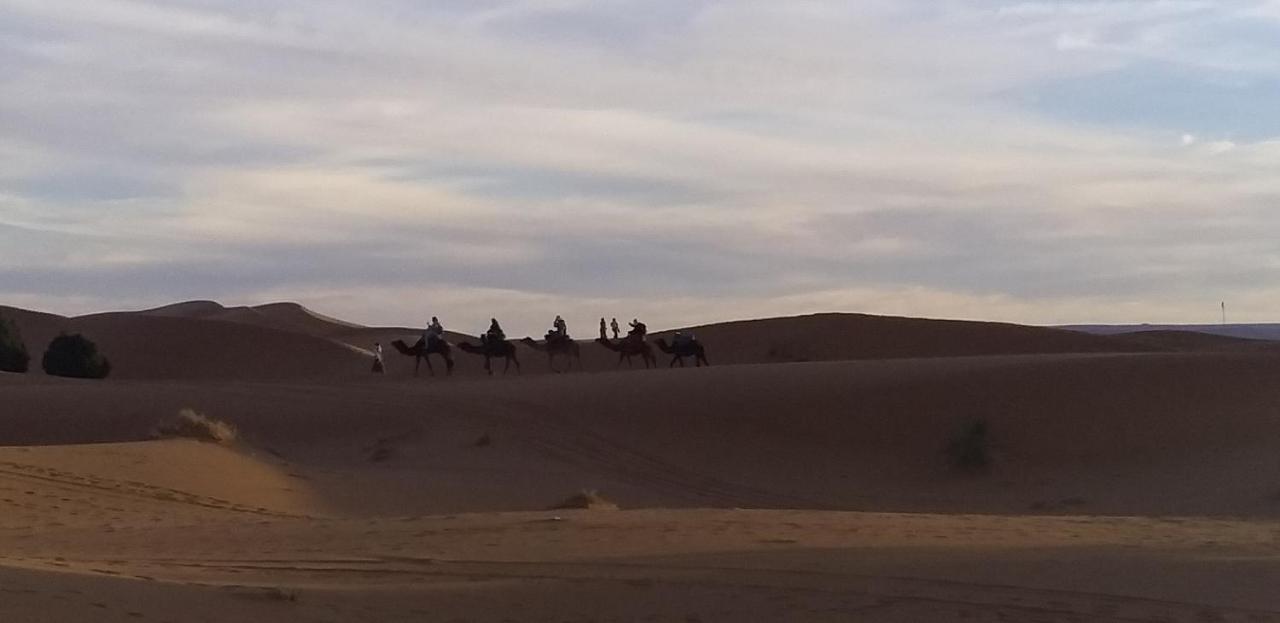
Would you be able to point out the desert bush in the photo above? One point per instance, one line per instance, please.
(970, 448)
(75, 356)
(13, 353)
(189, 424)
(585, 500)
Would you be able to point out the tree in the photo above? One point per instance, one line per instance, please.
(75, 356)
(13, 353)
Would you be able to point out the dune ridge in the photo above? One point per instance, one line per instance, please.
(205, 340)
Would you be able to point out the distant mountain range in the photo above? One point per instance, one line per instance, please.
(1264, 331)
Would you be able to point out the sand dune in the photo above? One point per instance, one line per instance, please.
(204, 340)
(177, 344)
(1123, 486)
(160, 347)
(202, 475)
(187, 309)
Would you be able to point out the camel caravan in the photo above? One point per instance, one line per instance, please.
(493, 345)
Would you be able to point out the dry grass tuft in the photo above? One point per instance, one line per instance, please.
(190, 424)
(585, 500)
(278, 594)
(266, 593)
(970, 448)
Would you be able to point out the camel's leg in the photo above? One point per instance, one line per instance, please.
(448, 365)
(551, 363)
(517, 362)
(417, 363)
(427, 358)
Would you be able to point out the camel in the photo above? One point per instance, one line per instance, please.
(692, 348)
(566, 347)
(631, 345)
(493, 350)
(421, 352)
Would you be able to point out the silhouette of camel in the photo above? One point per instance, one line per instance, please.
(631, 345)
(566, 347)
(421, 353)
(689, 349)
(493, 350)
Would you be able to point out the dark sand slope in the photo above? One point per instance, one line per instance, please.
(1123, 486)
(1116, 434)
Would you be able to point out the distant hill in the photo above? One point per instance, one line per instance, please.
(839, 336)
(1262, 331)
(285, 316)
(1192, 341)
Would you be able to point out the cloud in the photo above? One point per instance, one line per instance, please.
(688, 160)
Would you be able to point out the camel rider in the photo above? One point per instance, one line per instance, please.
(638, 329)
(561, 328)
(495, 334)
(614, 325)
(434, 332)
(681, 340)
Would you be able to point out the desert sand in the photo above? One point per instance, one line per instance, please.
(803, 477)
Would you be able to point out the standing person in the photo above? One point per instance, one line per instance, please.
(378, 368)
(604, 330)
(613, 325)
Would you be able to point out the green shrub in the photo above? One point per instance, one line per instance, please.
(13, 353)
(75, 356)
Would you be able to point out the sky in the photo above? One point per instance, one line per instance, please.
(684, 161)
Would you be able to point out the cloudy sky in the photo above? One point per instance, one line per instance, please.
(682, 160)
